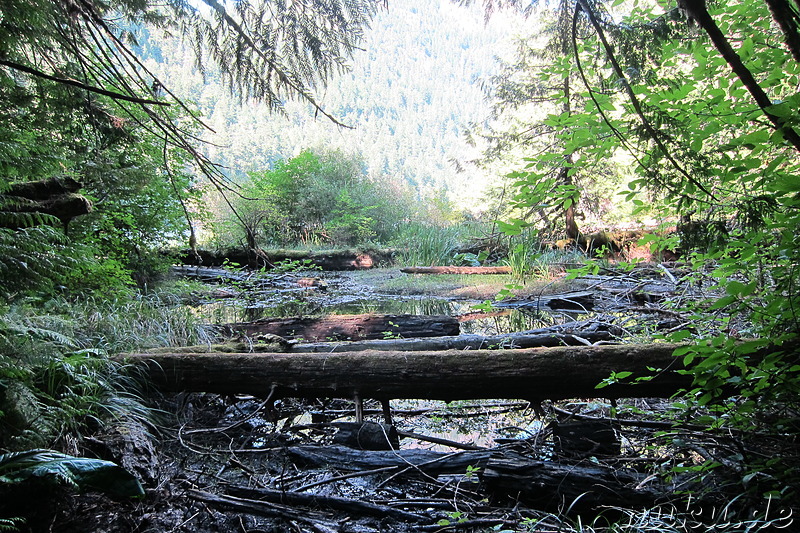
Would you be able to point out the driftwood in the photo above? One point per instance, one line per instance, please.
(457, 270)
(350, 327)
(325, 259)
(531, 374)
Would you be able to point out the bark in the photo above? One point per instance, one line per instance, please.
(578, 487)
(531, 374)
(324, 259)
(350, 327)
(457, 270)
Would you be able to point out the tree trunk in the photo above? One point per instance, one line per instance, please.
(457, 270)
(531, 374)
(352, 259)
(350, 327)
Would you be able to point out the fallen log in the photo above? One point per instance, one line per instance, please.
(349, 259)
(578, 487)
(532, 374)
(457, 270)
(350, 327)
(548, 484)
(430, 462)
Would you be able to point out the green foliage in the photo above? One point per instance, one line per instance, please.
(56, 378)
(425, 245)
(79, 472)
(320, 198)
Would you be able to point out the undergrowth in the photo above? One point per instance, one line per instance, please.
(57, 377)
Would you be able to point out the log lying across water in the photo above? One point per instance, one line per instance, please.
(457, 270)
(530, 374)
(350, 327)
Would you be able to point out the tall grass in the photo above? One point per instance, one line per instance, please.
(425, 245)
(530, 259)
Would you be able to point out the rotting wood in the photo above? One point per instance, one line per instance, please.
(457, 270)
(531, 374)
(578, 486)
(427, 461)
(350, 327)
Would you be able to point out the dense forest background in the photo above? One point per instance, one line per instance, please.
(422, 79)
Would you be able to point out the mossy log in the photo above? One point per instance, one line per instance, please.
(531, 374)
(346, 259)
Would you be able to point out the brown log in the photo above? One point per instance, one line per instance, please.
(348, 259)
(350, 327)
(457, 270)
(530, 374)
(578, 487)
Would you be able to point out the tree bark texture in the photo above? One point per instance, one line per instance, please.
(457, 270)
(325, 259)
(532, 374)
(578, 487)
(350, 327)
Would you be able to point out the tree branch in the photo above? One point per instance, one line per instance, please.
(80, 85)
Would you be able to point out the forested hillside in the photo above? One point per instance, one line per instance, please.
(409, 96)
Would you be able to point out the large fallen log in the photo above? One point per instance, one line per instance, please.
(531, 374)
(349, 259)
(457, 270)
(350, 327)
(578, 487)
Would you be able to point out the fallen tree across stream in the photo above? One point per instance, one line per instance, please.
(531, 374)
